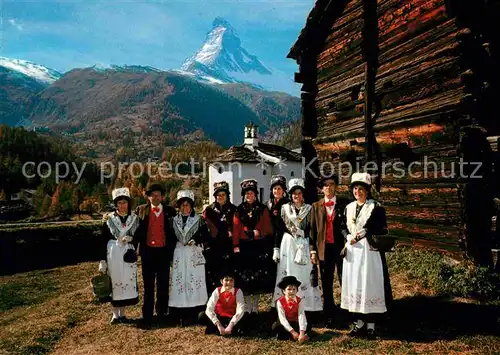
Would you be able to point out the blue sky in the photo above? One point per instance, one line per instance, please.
(68, 34)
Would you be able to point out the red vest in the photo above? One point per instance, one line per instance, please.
(329, 227)
(291, 309)
(156, 231)
(226, 304)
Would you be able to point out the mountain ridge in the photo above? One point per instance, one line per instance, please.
(37, 72)
(86, 103)
(211, 97)
(21, 81)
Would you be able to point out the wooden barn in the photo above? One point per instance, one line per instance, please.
(410, 85)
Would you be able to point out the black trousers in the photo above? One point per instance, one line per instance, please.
(212, 328)
(155, 268)
(327, 267)
(282, 334)
(187, 315)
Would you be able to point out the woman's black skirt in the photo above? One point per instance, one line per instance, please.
(255, 268)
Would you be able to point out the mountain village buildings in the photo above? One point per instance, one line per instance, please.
(253, 159)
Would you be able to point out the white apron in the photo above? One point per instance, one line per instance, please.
(189, 288)
(290, 255)
(123, 275)
(362, 271)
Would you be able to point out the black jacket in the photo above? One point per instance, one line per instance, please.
(143, 212)
(276, 220)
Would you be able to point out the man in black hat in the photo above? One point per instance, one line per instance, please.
(156, 248)
(327, 219)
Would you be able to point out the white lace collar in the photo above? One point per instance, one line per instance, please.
(355, 224)
(117, 228)
(191, 221)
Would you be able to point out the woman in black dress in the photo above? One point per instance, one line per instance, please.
(219, 251)
(252, 246)
(277, 199)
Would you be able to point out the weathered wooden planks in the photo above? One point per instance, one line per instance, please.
(434, 76)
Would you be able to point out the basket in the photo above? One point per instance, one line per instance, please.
(383, 243)
(101, 286)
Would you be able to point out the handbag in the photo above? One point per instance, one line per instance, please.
(101, 287)
(301, 257)
(198, 258)
(130, 256)
(382, 242)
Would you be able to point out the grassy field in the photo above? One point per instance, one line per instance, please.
(53, 312)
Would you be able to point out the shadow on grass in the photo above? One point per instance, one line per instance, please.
(258, 326)
(426, 319)
(412, 319)
(28, 290)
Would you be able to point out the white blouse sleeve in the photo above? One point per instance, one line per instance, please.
(210, 311)
(240, 308)
(282, 317)
(302, 317)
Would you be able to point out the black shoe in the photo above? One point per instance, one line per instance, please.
(357, 332)
(330, 323)
(239, 332)
(124, 319)
(186, 322)
(164, 321)
(370, 334)
(115, 321)
(144, 323)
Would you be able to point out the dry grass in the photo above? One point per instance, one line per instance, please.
(39, 307)
(53, 311)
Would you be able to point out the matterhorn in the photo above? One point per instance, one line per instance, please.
(222, 59)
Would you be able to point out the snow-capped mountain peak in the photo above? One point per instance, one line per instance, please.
(222, 57)
(35, 71)
(222, 37)
(211, 48)
(221, 22)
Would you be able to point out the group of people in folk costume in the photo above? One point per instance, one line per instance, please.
(235, 253)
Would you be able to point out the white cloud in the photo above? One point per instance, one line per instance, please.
(16, 23)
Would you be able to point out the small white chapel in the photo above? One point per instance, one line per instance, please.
(253, 159)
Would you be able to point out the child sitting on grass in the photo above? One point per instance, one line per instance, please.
(292, 322)
(225, 309)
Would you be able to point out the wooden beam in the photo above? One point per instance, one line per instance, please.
(370, 55)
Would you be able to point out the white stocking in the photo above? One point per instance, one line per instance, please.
(248, 303)
(116, 312)
(256, 303)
